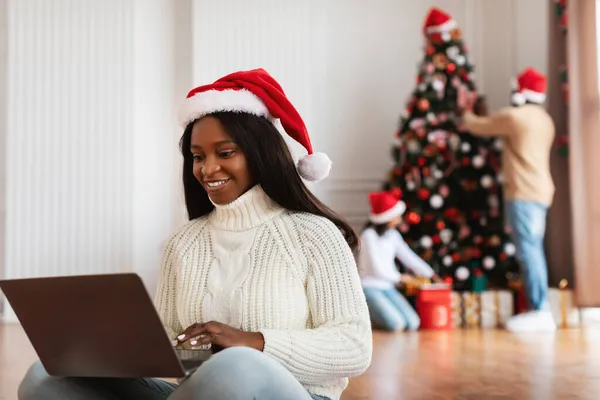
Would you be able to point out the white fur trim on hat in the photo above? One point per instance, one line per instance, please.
(519, 98)
(445, 27)
(212, 101)
(389, 215)
(314, 167)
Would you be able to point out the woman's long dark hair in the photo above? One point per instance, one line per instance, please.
(271, 165)
(380, 229)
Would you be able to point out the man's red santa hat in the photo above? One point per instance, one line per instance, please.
(530, 86)
(438, 25)
(385, 207)
(258, 93)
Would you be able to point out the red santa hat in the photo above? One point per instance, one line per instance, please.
(258, 93)
(385, 207)
(438, 25)
(530, 86)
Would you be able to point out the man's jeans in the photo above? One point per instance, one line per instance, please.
(527, 220)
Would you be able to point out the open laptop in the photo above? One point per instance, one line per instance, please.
(97, 326)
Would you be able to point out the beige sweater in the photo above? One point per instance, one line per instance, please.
(528, 134)
(291, 276)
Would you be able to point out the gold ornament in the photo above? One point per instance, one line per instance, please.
(440, 61)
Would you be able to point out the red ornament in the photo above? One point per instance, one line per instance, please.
(476, 253)
(440, 225)
(426, 171)
(421, 161)
(448, 280)
(423, 104)
(430, 50)
(413, 218)
(503, 256)
(428, 217)
(478, 273)
(465, 161)
(397, 192)
(436, 239)
(423, 194)
(455, 257)
(451, 67)
(451, 213)
(419, 79)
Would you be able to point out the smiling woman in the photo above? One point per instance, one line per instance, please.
(263, 272)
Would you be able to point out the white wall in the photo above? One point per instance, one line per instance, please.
(91, 152)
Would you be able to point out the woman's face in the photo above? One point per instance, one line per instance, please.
(219, 164)
(394, 223)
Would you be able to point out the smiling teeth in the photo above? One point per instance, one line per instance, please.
(216, 184)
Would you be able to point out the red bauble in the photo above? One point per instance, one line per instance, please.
(440, 225)
(451, 213)
(455, 257)
(397, 192)
(466, 161)
(426, 171)
(413, 218)
(421, 161)
(451, 67)
(430, 50)
(423, 104)
(476, 253)
(503, 256)
(478, 273)
(423, 194)
(436, 239)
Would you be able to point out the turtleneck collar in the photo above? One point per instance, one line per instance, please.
(246, 212)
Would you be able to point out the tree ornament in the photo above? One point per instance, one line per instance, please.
(446, 235)
(422, 87)
(462, 273)
(437, 85)
(460, 60)
(423, 194)
(447, 261)
(451, 67)
(488, 262)
(429, 68)
(436, 201)
(478, 161)
(465, 147)
(510, 249)
(423, 104)
(413, 218)
(413, 146)
(486, 181)
(410, 185)
(426, 242)
(452, 52)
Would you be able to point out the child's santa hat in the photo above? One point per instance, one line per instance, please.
(530, 86)
(438, 25)
(256, 92)
(385, 207)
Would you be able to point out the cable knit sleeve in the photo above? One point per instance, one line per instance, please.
(339, 345)
(165, 292)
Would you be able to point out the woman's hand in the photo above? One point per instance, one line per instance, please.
(437, 279)
(222, 335)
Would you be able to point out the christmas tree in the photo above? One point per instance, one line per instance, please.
(449, 179)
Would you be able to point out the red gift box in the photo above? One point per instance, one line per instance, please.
(434, 305)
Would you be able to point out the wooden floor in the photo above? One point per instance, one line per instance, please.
(461, 364)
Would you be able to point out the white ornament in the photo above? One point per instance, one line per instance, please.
(478, 161)
(498, 144)
(430, 181)
(447, 260)
(438, 174)
(413, 146)
(452, 51)
(417, 123)
(461, 60)
(487, 181)
(422, 87)
(446, 37)
(462, 273)
(430, 117)
(465, 147)
(446, 236)
(410, 185)
(510, 249)
(436, 201)
(426, 242)
(437, 85)
(489, 262)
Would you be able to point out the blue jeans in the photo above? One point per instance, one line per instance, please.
(527, 220)
(390, 310)
(235, 373)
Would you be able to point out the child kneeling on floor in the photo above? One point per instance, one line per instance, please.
(381, 244)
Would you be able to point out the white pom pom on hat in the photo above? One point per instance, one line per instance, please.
(258, 93)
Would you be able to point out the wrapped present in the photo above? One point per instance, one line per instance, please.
(456, 308)
(434, 307)
(477, 281)
(412, 288)
(497, 306)
(471, 309)
(562, 304)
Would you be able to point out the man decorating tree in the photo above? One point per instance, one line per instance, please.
(527, 131)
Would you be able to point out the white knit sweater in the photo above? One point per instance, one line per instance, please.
(289, 275)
